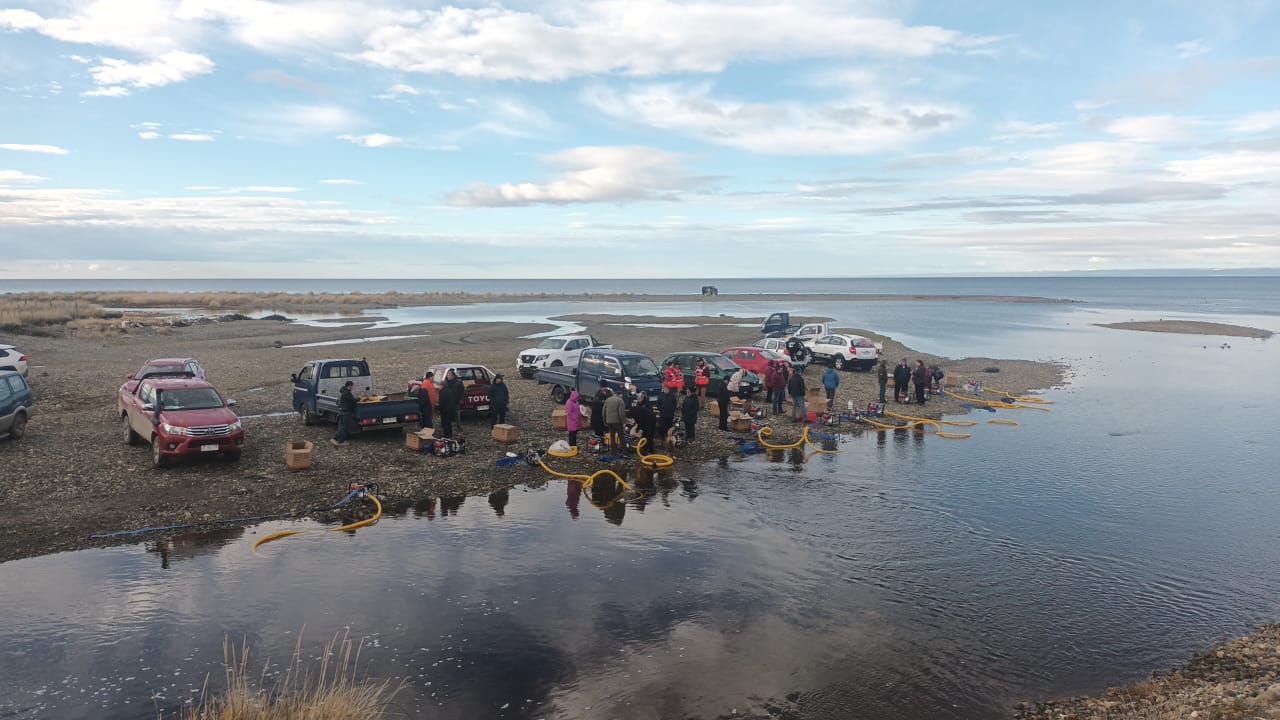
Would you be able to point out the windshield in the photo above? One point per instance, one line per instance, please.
(551, 344)
(190, 399)
(638, 367)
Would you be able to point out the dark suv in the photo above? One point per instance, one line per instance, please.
(721, 369)
(16, 404)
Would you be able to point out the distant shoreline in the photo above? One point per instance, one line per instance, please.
(1190, 327)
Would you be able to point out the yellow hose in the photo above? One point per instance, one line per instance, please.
(1002, 421)
(654, 461)
(1027, 399)
(349, 526)
(919, 423)
(956, 423)
(767, 431)
(995, 403)
(586, 480)
(273, 536)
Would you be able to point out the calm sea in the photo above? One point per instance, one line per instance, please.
(909, 576)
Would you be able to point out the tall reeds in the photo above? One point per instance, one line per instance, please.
(326, 689)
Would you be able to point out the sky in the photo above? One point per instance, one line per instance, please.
(376, 138)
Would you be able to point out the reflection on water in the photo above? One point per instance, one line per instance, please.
(908, 576)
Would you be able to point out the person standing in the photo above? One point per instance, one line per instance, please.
(798, 352)
(735, 382)
(882, 376)
(689, 414)
(673, 377)
(771, 386)
(642, 413)
(426, 400)
(346, 414)
(573, 417)
(668, 403)
(614, 411)
(830, 381)
(795, 387)
(597, 411)
(901, 379)
(499, 400)
(448, 407)
(921, 382)
(459, 391)
(701, 379)
(722, 400)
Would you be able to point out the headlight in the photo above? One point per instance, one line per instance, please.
(236, 426)
(540, 358)
(174, 429)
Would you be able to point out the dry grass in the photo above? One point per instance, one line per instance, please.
(329, 690)
(43, 310)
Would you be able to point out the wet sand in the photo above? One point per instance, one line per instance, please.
(1190, 327)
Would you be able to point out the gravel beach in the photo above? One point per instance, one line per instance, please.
(75, 477)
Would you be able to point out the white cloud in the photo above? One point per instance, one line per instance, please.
(144, 26)
(293, 120)
(590, 174)
(17, 176)
(853, 127)
(1014, 130)
(114, 91)
(373, 140)
(1257, 122)
(340, 181)
(1192, 48)
(397, 90)
(1152, 128)
(264, 189)
(45, 149)
(192, 137)
(149, 135)
(171, 67)
(1228, 167)
(641, 39)
(1072, 166)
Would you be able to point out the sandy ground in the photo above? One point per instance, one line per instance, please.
(77, 478)
(1190, 327)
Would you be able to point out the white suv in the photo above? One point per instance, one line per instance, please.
(11, 358)
(846, 351)
(561, 350)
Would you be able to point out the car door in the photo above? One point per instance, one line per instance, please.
(8, 407)
(140, 419)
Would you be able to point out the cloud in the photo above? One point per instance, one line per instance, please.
(115, 91)
(191, 137)
(149, 135)
(340, 181)
(1152, 128)
(853, 127)
(397, 90)
(1015, 130)
(171, 67)
(590, 174)
(17, 176)
(652, 38)
(45, 149)
(1257, 122)
(1232, 167)
(143, 26)
(1136, 194)
(1192, 48)
(373, 140)
(263, 189)
(285, 80)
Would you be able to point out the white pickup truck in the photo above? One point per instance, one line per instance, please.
(556, 351)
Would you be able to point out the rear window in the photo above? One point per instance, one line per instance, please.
(16, 383)
(346, 370)
(863, 343)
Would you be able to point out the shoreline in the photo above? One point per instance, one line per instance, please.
(1190, 327)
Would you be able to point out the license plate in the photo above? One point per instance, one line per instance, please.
(388, 421)
(209, 448)
(482, 407)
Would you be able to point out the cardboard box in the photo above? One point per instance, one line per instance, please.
(504, 433)
(737, 404)
(714, 407)
(814, 393)
(558, 419)
(740, 424)
(951, 380)
(297, 455)
(817, 405)
(417, 440)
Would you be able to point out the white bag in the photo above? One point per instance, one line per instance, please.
(559, 446)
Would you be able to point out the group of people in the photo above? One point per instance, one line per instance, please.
(609, 412)
(905, 378)
(447, 398)
(783, 380)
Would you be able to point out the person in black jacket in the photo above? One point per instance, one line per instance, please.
(642, 413)
(597, 412)
(689, 413)
(901, 379)
(346, 414)
(668, 402)
(425, 411)
(722, 399)
(796, 389)
(499, 400)
(449, 398)
(920, 378)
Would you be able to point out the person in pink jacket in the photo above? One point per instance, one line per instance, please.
(573, 417)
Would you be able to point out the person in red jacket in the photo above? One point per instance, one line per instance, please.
(673, 377)
(701, 379)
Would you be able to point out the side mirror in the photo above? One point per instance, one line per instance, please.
(148, 407)
(293, 377)
(231, 403)
(129, 376)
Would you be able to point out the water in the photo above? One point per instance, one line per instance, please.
(909, 576)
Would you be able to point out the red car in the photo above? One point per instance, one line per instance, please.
(179, 416)
(164, 367)
(753, 358)
(475, 380)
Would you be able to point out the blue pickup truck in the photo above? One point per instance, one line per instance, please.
(615, 369)
(315, 395)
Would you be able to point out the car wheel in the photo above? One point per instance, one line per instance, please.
(558, 395)
(158, 460)
(307, 417)
(556, 363)
(130, 437)
(232, 456)
(19, 426)
(839, 363)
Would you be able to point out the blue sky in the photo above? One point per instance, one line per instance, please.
(326, 138)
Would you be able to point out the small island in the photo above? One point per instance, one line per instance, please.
(1190, 327)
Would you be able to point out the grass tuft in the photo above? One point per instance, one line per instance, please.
(328, 689)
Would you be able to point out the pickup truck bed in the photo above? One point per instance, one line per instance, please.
(561, 380)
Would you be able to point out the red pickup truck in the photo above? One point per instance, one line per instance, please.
(475, 379)
(179, 417)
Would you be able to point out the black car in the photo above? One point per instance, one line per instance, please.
(721, 369)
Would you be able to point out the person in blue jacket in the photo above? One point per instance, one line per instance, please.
(499, 400)
(830, 381)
